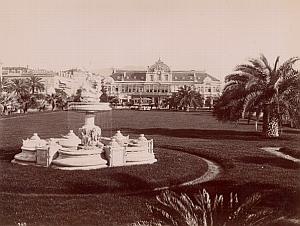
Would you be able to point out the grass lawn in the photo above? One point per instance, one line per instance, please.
(116, 196)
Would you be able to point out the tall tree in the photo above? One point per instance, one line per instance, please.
(188, 97)
(18, 86)
(259, 87)
(4, 85)
(35, 84)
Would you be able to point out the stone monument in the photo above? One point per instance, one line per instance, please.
(88, 150)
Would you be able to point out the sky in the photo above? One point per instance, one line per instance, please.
(210, 35)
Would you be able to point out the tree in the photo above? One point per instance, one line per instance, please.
(188, 97)
(35, 84)
(18, 86)
(114, 100)
(7, 99)
(171, 102)
(51, 99)
(204, 209)
(77, 96)
(258, 87)
(4, 85)
(61, 98)
(104, 96)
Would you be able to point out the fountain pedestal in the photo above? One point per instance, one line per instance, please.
(89, 153)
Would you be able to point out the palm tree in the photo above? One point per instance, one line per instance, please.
(61, 98)
(4, 84)
(18, 86)
(35, 84)
(7, 99)
(259, 87)
(188, 97)
(171, 102)
(204, 209)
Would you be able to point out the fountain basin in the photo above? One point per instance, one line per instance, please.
(89, 106)
(27, 155)
(68, 159)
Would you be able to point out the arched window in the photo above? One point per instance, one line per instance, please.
(166, 77)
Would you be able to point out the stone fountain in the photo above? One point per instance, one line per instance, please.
(88, 150)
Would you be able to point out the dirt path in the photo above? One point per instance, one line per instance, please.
(275, 151)
(211, 173)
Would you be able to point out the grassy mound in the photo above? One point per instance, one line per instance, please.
(110, 197)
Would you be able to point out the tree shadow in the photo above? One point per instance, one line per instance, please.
(8, 154)
(291, 131)
(199, 133)
(125, 183)
(272, 161)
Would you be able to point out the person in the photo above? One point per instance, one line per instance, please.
(1, 109)
(5, 109)
(53, 104)
(43, 106)
(25, 107)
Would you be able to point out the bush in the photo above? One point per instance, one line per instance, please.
(174, 209)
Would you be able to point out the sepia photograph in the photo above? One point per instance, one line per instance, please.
(149, 112)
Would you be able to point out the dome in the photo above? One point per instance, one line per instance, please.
(159, 66)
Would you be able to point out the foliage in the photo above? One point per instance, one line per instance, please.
(185, 98)
(35, 84)
(19, 87)
(60, 98)
(113, 100)
(8, 98)
(202, 210)
(258, 87)
(188, 97)
(104, 96)
(4, 84)
(77, 96)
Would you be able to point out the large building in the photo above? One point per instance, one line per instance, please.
(158, 82)
(69, 80)
(48, 77)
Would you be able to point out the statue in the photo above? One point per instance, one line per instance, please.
(90, 91)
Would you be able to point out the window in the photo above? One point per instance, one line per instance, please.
(166, 78)
(151, 77)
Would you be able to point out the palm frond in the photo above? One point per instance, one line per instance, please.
(266, 63)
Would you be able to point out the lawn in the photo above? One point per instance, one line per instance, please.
(116, 196)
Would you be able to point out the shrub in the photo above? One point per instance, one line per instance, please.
(174, 209)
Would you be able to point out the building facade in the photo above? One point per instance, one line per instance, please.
(159, 82)
(48, 77)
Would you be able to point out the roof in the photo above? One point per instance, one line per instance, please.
(14, 68)
(159, 65)
(199, 76)
(123, 75)
(177, 76)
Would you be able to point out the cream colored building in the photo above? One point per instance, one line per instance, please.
(159, 82)
(48, 77)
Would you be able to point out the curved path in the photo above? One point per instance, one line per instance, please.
(276, 151)
(211, 173)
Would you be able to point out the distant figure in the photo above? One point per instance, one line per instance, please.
(53, 104)
(1, 109)
(25, 107)
(43, 106)
(5, 109)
